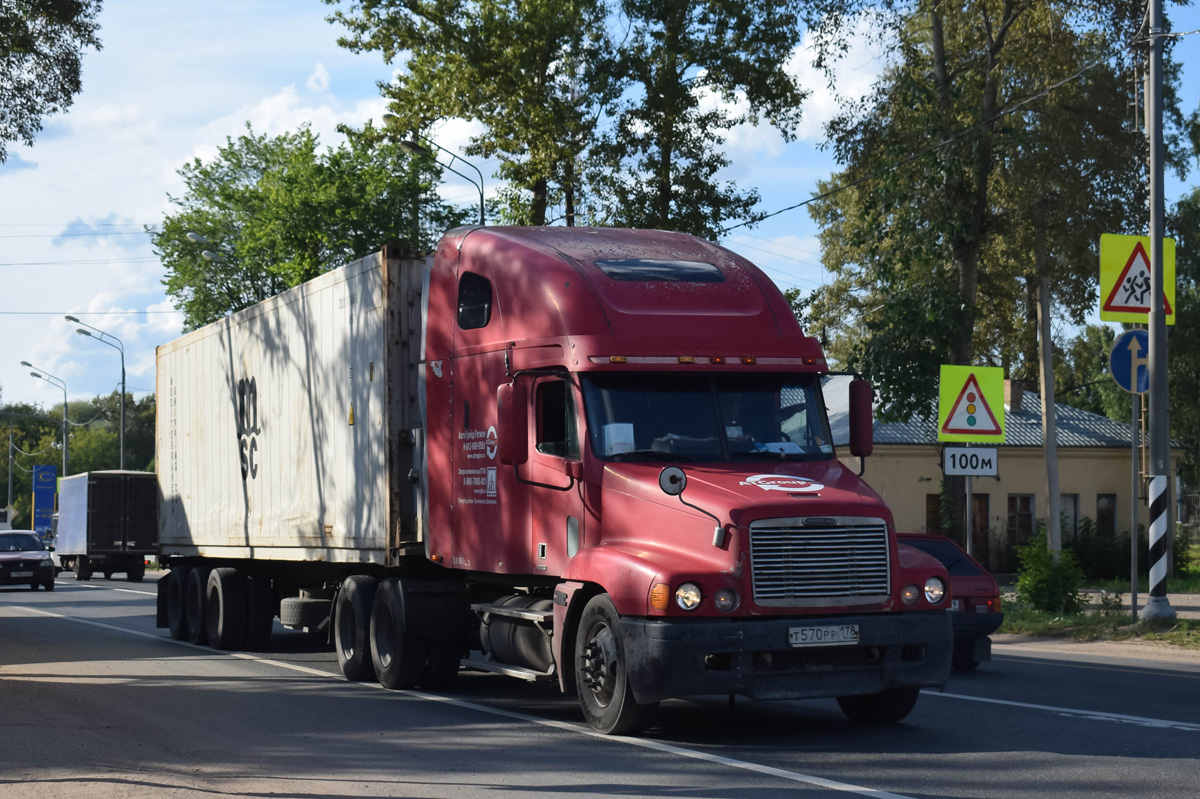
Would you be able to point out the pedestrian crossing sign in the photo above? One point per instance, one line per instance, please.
(971, 404)
(1125, 279)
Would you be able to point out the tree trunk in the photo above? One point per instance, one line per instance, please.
(1049, 426)
(537, 205)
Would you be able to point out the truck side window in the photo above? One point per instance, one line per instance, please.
(474, 301)
(557, 431)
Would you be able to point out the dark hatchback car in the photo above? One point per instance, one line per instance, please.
(975, 598)
(24, 560)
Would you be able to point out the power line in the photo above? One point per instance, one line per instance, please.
(83, 313)
(81, 263)
(72, 235)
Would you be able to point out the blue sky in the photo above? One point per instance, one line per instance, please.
(175, 79)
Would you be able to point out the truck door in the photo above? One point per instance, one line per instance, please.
(556, 505)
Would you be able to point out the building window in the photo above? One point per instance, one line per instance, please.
(474, 301)
(1106, 514)
(1068, 510)
(557, 432)
(1020, 518)
(933, 513)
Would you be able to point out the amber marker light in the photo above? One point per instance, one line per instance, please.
(686, 359)
(617, 359)
(749, 360)
(717, 359)
(810, 361)
(436, 558)
(660, 596)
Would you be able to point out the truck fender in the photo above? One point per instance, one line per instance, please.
(569, 600)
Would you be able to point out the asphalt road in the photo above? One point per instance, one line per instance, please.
(95, 702)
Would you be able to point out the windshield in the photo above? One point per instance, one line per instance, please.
(20, 542)
(706, 417)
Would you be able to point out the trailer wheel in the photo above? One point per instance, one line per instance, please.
(225, 609)
(397, 654)
(602, 674)
(885, 707)
(83, 568)
(136, 574)
(194, 605)
(176, 602)
(260, 613)
(352, 625)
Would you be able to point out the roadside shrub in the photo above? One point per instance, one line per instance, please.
(1105, 557)
(1112, 603)
(1045, 584)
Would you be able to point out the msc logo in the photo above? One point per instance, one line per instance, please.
(247, 424)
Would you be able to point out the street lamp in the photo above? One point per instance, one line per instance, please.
(103, 338)
(414, 147)
(49, 378)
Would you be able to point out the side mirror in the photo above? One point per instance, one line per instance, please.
(512, 417)
(672, 481)
(862, 432)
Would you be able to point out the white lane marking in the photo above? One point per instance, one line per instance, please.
(1094, 715)
(122, 590)
(657, 746)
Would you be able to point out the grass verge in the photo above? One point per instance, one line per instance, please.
(1097, 627)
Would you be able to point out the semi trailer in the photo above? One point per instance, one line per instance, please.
(598, 458)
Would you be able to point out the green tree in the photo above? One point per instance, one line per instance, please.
(41, 54)
(1083, 379)
(1183, 338)
(277, 211)
(680, 69)
(517, 67)
(970, 181)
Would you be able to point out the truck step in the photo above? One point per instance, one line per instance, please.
(513, 613)
(521, 673)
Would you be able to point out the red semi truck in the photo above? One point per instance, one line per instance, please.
(597, 457)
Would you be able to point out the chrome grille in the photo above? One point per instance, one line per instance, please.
(828, 561)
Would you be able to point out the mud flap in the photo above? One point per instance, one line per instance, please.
(160, 608)
(983, 649)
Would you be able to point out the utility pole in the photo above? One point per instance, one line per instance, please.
(1157, 606)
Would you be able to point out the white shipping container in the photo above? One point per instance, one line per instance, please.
(275, 424)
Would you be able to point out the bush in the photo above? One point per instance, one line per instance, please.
(1045, 584)
(1105, 557)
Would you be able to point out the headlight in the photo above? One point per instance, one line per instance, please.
(726, 600)
(911, 594)
(687, 596)
(46, 557)
(935, 589)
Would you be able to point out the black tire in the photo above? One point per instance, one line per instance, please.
(601, 672)
(49, 584)
(397, 654)
(964, 655)
(108, 575)
(177, 603)
(225, 609)
(83, 568)
(352, 627)
(195, 605)
(33, 586)
(136, 574)
(885, 707)
(260, 613)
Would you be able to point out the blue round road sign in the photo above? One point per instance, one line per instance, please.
(1130, 361)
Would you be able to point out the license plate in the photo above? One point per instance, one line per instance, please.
(954, 604)
(839, 635)
(22, 574)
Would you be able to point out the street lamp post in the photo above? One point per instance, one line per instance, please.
(414, 147)
(103, 338)
(51, 379)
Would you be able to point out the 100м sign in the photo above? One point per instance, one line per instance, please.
(970, 462)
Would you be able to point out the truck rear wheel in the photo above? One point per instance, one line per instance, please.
(602, 674)
(397, 654)
(194, 605)
(885, 707)
(176, 602)
(136, 573)
(83, 568)
(352, 627)
(225, 609)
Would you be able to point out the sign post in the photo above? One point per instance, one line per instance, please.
(970, 410)
(1130, 367)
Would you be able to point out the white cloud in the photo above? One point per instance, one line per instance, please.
(318, 81)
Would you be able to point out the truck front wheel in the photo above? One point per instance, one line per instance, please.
(351, 627)
(885, 707)
(602, 674)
